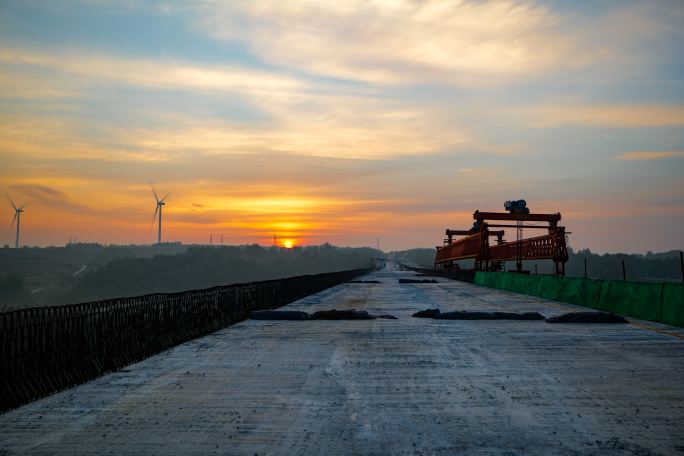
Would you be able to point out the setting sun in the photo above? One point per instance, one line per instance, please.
(288, 243)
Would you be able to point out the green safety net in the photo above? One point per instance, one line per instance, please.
(581, 291)
(673, 304)
(492, 278)
(522, 284)
(548, 287)
(636, 299)
(647, 301)
(504, 281)
(487, 279)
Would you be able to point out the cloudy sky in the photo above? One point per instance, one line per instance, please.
(341, 121)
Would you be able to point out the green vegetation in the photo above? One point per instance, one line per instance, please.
(57, 267)
(93, 272)
(652, 266)
(13, 293)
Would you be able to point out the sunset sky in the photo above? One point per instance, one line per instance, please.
(341, 121)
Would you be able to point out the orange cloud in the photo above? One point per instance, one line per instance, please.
(639, 155)
(620, 116)
(305, 118)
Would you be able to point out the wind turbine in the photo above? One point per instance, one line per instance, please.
(158, 209)
(17, 218)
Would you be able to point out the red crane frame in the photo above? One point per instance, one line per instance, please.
(475, 244)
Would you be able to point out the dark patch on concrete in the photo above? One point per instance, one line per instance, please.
(342, 315)
(464, 315)
(417, 281)
(587, 317)
(279, 315)
(386, 316)
(364, 281)
(428, 313)
(518, 316)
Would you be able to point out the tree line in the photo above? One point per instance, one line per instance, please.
(197, 267)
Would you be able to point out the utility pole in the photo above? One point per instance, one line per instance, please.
(585, 267)
(681, 263)
(624, 272)
(377, 243)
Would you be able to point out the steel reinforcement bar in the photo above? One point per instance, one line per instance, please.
(47, 349)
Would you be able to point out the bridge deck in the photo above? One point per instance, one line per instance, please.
(407, 386)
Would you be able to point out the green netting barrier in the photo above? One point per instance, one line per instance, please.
(488, 279)
(581, 291)
(673, 304)
(640, 300)
(536, 287)
(480, 278)
(647, 301)
(504, 281)
(523, 284)
(549, 287)
(493, 277)
(519, 284)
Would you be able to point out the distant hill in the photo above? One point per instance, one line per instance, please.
(46, 267)
(115, 271)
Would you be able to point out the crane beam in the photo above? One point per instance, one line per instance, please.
(551, 218)
(470, 246)
(469, 232)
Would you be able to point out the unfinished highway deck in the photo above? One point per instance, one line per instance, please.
(407, 386)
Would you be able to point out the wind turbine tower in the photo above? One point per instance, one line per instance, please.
(17, 219)
(158, 210)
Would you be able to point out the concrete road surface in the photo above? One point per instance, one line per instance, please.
(407, 386)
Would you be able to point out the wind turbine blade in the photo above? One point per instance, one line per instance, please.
(155, 193)
(12, 202)
(167, 195)
(154, 217)
(25, 205)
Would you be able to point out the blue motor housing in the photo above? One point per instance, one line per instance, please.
(517, 206)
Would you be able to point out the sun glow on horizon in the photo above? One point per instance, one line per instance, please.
(258, 130)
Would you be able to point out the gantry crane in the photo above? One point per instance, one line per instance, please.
(475, 243)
